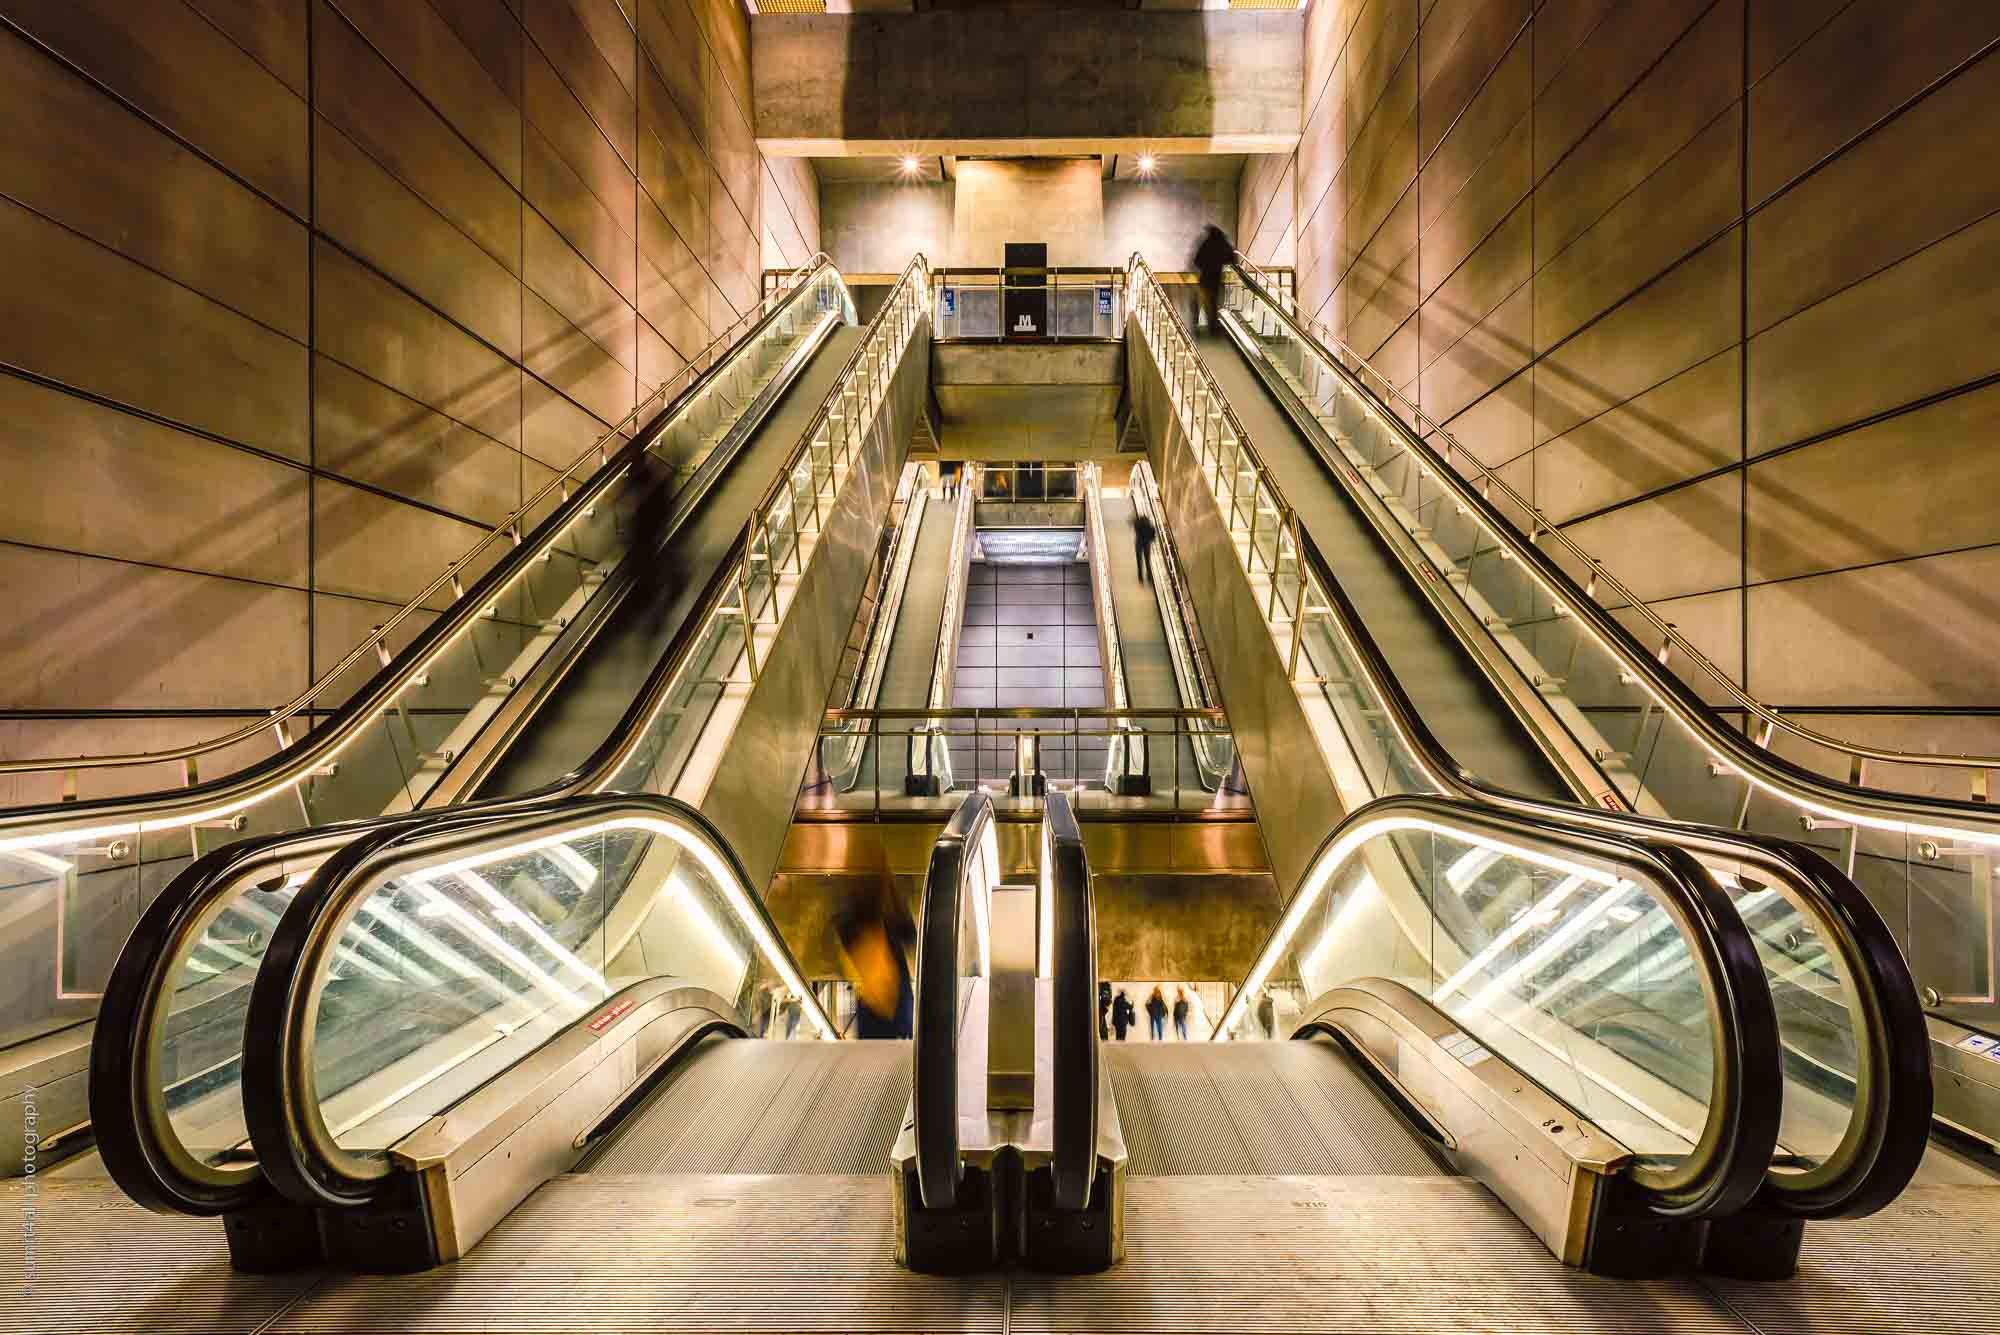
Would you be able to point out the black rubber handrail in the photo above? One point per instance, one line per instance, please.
(1729, 1161)
(296, 1150)
(1073, 966)
(143, 1155)
(934, 1054)
(1887, 1135)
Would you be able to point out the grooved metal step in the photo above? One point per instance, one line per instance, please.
(1235, 1254)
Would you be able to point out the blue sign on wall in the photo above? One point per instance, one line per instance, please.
(951, 301)
(1104, 301)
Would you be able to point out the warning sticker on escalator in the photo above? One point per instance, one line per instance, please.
(597, 1026)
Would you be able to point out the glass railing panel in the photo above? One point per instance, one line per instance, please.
(1578, 977)
(443, 977)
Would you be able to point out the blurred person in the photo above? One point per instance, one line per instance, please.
(1211, 257)
(1123, 1016)
(1180, 1014)
(762, 1007)
(790, 1010)
(1143, 534)
(1267, 1014)
(1103, 1011)
(1156, 1015)
(876, 941)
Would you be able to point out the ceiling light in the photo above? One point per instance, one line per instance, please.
(911, 166)
(1146, 164)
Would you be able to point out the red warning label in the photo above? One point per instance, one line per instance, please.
(597, 1025)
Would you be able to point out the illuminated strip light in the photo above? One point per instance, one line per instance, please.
(1365, 891)
(1470, 868)
(579, 867)
(711, 862)
(710, 928)
(499, 945)
(1557, 942)
(533, 928)
(1336, 856)
(1045, 894)
(410, 1087)
(1514, 931)
(251, 909)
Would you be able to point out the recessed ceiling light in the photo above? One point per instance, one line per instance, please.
(1146, 164)
(911, 166)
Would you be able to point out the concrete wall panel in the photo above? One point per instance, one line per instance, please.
(94, 319)
(235, 111)
(93, 166)
(299, 338)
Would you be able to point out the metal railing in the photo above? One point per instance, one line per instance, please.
(1030, 482)
(245, 888)
(1081, 302)
(1016, 754)
(1505, 528)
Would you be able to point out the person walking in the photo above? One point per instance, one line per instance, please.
(1143, 534)
(1211, 257)
(1156, 1015)
(1180, 1014)
(1122, 1015)
(1267, 1014)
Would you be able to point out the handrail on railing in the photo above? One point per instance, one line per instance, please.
(963, 868)
(1556, 582)
(1070, 910)
(450, 576)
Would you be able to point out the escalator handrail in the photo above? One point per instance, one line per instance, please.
(210, 799)
(1886, 1136)
(1074, 1052)
(160, 1168)
(1888, 1132)
(934, 1053)
(1731, 1159)
(296, 1151)
(1881, 808)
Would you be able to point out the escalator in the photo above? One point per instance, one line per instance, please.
(1477, 934)
(191, 963)
(1633, 712)
(1470, 718)
(409, 718)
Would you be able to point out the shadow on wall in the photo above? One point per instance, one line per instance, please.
(1490, 357)
(1011, 69)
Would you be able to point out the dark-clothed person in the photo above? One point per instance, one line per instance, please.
(1103, 1011)
(1143, 534)
(1267, 1015)
(1156, 1015)
(1122, 1015)
(1211, 257)
(1180, 1013)
(876, 940)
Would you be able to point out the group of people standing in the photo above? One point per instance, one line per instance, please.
(1117, 1015)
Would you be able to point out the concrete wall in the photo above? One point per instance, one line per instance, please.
(1714, 281)
(299, 294)
(1001, 81)
(1058, 202)
(874, 227)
